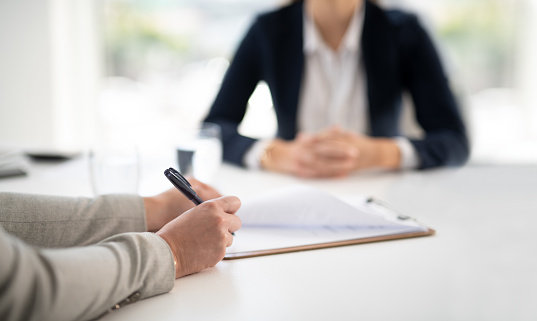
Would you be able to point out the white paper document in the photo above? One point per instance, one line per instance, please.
(302, 215)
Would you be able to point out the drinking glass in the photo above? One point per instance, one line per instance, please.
(199, 151)
(114, 168)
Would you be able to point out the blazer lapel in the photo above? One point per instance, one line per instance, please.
(289, 74)
(380, 56)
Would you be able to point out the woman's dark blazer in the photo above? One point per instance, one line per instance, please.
(398, 56)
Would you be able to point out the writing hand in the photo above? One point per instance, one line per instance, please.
(164, 207)
(199, 237)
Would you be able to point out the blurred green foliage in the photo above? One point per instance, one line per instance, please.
(130, 34)
(480, 33)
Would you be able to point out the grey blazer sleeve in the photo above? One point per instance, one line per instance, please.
(78, 283)
(81, 283)
(54, 221)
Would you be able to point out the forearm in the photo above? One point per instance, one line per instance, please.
(154, 213)
(239, 83)
(388, 155)
(52, 221)
(81, 283)
(445, 142)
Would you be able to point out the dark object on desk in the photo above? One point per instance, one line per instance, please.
(51, 155)
(184, 160)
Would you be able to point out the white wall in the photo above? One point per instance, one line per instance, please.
(526, 64)
(50, 69)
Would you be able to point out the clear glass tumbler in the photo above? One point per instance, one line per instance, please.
(199, 151)
(114, 168)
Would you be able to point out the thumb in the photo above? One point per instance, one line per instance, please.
(230, 204)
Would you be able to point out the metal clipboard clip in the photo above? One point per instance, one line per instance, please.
(402, 217)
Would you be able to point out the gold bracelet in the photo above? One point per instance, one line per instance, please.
(174, 264)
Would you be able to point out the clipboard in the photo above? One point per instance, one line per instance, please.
(374, 206)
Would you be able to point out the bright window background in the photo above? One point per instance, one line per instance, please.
(165, 61)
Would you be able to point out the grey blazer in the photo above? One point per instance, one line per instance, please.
(67, 258)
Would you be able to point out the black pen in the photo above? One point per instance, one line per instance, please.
(182, 185)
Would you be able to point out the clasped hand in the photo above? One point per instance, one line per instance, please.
(332, 152)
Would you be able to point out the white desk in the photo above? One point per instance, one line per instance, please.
(481, 265)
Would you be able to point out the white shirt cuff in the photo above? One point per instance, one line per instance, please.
(252, 158)
(409, 156)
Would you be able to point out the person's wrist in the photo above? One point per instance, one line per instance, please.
(268, 156)
(389, 155)
(151, 214)
(174, 255)
(167, 206)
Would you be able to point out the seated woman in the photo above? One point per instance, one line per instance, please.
(336, 70)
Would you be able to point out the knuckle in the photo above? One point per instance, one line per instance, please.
(234, 201)
(218, 221)
(210, 206)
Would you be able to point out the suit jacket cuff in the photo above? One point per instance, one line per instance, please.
(409, 156)
(252, 157)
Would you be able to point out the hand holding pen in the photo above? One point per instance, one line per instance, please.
(198, 238)
(166, 206)
(182, 184)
